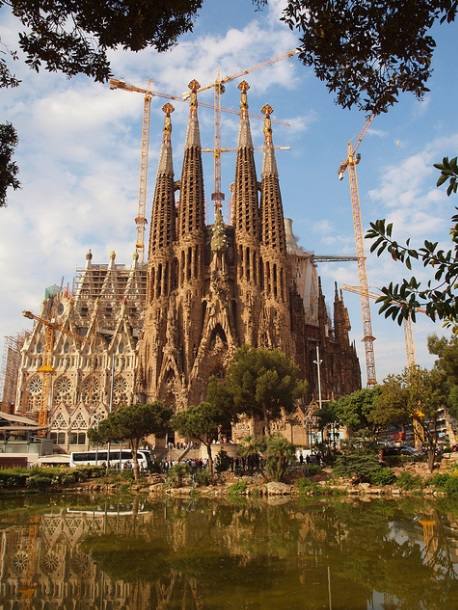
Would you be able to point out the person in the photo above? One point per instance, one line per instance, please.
(307, 459)
(301, 458)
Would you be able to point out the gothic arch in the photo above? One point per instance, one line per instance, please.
(59, 420)
(79, 420)
(34, 393)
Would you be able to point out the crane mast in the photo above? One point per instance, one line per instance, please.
(368, 336)
(217, 195)
(218, 88)
(350, 164)
(46, 367)
(140, 219)
(408, 330)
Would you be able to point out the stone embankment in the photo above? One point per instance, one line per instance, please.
(156, 485)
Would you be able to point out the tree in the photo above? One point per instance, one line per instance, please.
(354, 411)
(415, 396)
(8, 168)
(371, 50)
(132, 424)
(201, 423)
(447, 362)
(263, 383)
(368, 52)
(75, 38)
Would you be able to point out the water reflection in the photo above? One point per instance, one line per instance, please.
(205, 556)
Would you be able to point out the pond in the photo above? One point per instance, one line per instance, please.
(335, 554)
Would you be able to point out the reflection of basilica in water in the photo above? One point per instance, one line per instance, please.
(197, 555)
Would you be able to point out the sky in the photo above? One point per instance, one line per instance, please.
(79, 147)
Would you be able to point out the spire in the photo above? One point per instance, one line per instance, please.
(272, 222)
(191, 215)
(246, 212)
(163, 213)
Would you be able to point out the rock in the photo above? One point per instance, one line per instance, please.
(156, 488)
(278, 489)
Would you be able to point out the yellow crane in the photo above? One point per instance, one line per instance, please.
(148, 93)
(46, 367)
(218, 86)
(350, 163)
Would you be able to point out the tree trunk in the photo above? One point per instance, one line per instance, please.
(136, 470)
(431, 456)
(210, 458)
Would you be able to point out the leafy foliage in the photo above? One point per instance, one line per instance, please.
(415, 395)
(74, 37)
(439, 297)
(201, 423)
(278, 454)
(408, 481)
(262, 383)
(176, 475)
(363, 467)
(8, 168)
(353, 410)
(132, 424)
(447, 363)
(223, 461)
(369, 51)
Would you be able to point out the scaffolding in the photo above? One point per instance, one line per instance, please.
(11, 361)
(115, 282)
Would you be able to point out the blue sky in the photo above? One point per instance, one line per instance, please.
(79, 157)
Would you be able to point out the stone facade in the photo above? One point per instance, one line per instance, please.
(170, 324)
(212, 288)
(106, 312)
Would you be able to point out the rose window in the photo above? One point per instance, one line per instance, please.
(62, 391)
(34, 398)
(120, 392)
(90, 392)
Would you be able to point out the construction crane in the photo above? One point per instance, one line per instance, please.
(140, 219)
(331, 258)
(46, 367)
(218, 87)
(408, 331)
(350, 163)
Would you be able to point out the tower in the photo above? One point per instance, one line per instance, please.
(162, 266)
(246, 229)
(275, 328)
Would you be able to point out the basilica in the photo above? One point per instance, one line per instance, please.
(160, 329)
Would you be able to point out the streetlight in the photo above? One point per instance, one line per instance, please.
(318, 368)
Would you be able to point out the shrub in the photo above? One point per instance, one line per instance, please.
(237, 489)
(439, 480)
(363, 467)
(446, 482)
(311, 469)
(202, 477)
(382, 476)
(13, 477)
(304, 485)
(40, 481)
(279, 454)
(176, 474)
(223, 461)
(409, 481)
(451, 486)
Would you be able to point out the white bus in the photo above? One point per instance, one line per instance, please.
(119, 458)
